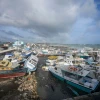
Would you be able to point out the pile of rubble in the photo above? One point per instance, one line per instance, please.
(27, 89)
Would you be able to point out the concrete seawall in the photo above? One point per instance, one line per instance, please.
(93, 96)
(9, 50)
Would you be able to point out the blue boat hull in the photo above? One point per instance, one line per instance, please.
(73, 84)
(85, 57)
(30, 70)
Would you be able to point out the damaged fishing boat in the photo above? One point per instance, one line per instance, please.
(31, 63)
(75, 76)
(11, 70)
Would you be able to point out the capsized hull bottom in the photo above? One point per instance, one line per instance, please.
(12, 75)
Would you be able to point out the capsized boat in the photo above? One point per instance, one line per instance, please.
(27, 54)
(31, 63)
(75, 76)
(11, 70)
(83, 55)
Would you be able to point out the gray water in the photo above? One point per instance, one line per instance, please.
(79, 45)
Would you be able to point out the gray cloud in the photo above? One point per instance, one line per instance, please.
(12, 34)
(47, 19)
(88, 9)
(5, 39)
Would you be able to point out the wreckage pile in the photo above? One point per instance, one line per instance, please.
(27, 89)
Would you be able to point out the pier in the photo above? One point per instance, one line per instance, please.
(93, 96)
(5, 51)
(44, 55)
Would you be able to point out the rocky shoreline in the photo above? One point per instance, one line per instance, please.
(26, 90)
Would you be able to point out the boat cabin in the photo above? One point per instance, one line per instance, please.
(79, 76)
(75, 61)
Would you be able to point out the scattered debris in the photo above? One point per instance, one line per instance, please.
(52, 87)
(45, 68)
(27, 89)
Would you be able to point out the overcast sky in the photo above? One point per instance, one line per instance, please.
(53, 21)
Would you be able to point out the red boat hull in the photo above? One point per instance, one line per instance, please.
(12, 75)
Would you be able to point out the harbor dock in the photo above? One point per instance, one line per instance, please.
(50, 55)
(5, 51)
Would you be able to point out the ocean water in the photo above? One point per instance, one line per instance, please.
(79, 45)
(96, 46)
